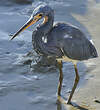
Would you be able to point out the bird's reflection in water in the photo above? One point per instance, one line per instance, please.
(59, 105)
(62, 102)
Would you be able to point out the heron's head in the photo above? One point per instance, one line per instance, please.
(42, 11)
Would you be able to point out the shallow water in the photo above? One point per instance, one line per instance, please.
(23, 87)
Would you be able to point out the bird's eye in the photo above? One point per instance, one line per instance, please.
(40, 14)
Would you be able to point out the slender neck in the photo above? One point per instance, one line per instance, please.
(41, 32)
(47, 24)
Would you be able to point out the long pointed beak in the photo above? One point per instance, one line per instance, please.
(25, 26)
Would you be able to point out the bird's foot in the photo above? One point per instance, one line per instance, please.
(63, 100)
(70, 103)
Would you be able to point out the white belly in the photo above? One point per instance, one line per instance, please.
(66, 59)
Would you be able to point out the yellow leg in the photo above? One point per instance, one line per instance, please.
(75, 84)
(60, 78)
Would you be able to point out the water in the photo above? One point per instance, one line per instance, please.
(23, 87)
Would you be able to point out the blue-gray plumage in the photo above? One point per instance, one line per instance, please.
(61, 36)
(62, 41)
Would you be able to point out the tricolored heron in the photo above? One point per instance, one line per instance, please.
(63, 41)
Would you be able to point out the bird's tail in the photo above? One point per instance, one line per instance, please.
(93, 51)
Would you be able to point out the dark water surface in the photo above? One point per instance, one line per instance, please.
(26, 88)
